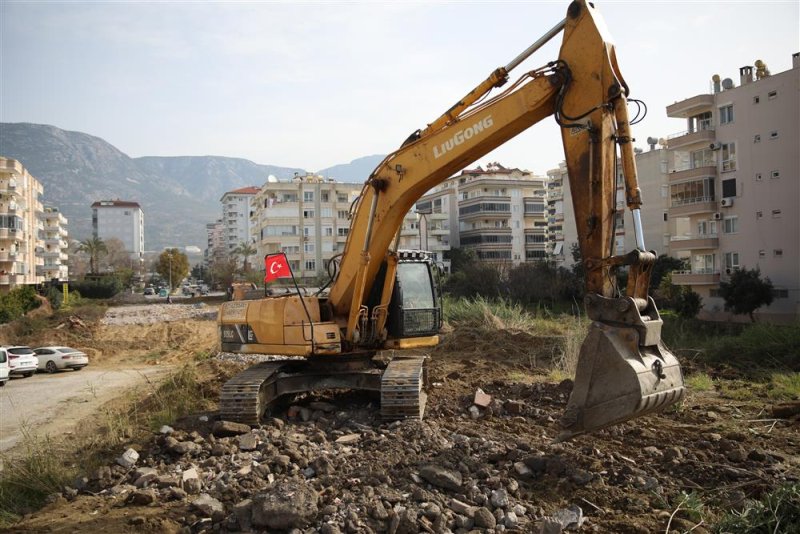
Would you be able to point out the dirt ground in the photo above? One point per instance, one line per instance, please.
(676, 471)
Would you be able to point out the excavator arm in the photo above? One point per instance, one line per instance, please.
(624, 370)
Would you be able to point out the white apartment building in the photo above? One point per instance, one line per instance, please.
(561, 230)
(123, 220)
(20, 207)
(55, 244)
(236, 216)
(307, 218)
(216, 248)
(497, 212)
(734, 188)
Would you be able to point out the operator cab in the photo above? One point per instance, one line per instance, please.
(416, 308)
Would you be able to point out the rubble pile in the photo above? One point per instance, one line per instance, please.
(489, 465)
(158, 313)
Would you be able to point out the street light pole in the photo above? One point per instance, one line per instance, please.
(169, 256)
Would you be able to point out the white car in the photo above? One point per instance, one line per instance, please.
(3, 368)
(51, 359)
(21, 360)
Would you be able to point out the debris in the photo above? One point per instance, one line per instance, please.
(482, 399)
(786, 410)
(441, 477)
(128, 459)
(229, 428)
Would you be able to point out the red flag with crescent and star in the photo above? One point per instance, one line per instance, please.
(277, 267)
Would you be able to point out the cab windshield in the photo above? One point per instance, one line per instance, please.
(415, 284)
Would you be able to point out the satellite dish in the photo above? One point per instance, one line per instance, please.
(727, 83)
(652, 140)
(715, 78)
(662, 141)
(272, 179)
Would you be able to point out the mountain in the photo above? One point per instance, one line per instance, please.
(178, 195)
(357, 171)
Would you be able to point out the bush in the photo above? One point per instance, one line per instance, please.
(542, 283)
(474, 280)
(103, 287)
(17, 303)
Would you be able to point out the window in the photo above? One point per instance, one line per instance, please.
(776, 174)
(691, 192)
(731, 260)
(756, 99)
(327, 231)
(308, 231)
(308, 214)
(324, 197)
(341, 197)
(308, 196)
(776, 214)
(773, 134)
(342, 214)
(326, 212)
(759, 214)
(772, 95)
(729, 188)
(707, 228)
(780, 293)
(704, 264)
(311, 265)
(702, 158)
(730, 225)
(665, 216)
(762, 253)
(778, 252)
(729, 156)
(308, 247)
(726, 114)
(341, 232)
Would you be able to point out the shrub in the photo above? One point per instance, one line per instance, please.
(99, 287)
(17, 302)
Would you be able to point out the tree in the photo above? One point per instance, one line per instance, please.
(663, 265)
(94, 247)
(245, 250)
(746, 291)
(116, 257)
(173, 266)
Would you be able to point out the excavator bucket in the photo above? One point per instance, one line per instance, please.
(618, 379)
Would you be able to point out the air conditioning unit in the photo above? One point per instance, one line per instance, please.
(715, 146)
(726, 202)
(718, 216)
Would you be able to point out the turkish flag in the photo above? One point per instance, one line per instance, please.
(277, 267)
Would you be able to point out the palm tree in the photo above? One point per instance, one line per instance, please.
(94, 247)
(245, 250)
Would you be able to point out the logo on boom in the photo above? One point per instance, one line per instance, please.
(462, 135)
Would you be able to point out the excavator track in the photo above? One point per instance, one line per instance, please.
(403, 385)
(244, 397)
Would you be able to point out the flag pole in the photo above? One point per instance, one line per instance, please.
(297, 287)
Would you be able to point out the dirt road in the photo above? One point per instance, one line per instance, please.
(51, 404)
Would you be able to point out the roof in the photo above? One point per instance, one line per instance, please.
(116, 204)
(250, 190)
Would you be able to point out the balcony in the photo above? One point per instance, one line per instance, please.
(696, 173)
(13, 233)
(694, 242)
(692, 206)
(704, 136)
(691, 106)
(8, 255)
(702, 277)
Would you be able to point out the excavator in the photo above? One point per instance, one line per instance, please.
(385, 299)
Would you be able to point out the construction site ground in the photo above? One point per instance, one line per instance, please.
(327, 463)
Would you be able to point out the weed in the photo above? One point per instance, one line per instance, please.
(700, 382)
(777, 511)
(784, 386)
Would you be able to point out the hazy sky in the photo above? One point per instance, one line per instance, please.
(315, 84)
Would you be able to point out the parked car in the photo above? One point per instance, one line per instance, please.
(51, 359)
(3, 368)
(149, 291)
(21, 360)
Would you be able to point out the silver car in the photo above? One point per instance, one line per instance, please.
(51, 359)
(22, 361)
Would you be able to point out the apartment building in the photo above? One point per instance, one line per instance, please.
(498, 213)
(55, 244)
(307, 218)
(236, 216)
(734, 189)
(215, 246)
(20, 207)
(120, 219)
(562, 233)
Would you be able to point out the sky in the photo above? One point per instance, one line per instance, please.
(315, 84)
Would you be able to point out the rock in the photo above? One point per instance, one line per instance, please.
(550, 525)
(482, 399)
(672, 453)
(207, 505)
(378, 511)
(223, 429)
(289, 504)
(184, 447)
(653, 451)
(243, 512)
(474, 412)
(581, 477)
(757, 456)
(736, 456)
(218, 449)
(484, 518)
(443, 478)
(128, 459)
(499, 498)
(190, 481)
(570, 518)
(146, 478)
(462, 508)
(167, 481)
(142, 497)
(248, 442)
(348, 439)
(326, 407)
(511, 520)
(166, 429)
(514, 408)
(522, 470)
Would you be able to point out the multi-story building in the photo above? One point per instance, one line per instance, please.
(121, 219)
(307, 218)
(55, 246)
(734, 189)
(236, 216)
(20, 206)
(496, 212)
(216, 247)
(561, 231)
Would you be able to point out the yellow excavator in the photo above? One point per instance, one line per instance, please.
(384, 298)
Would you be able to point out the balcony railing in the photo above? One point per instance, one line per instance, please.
(675, 202)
